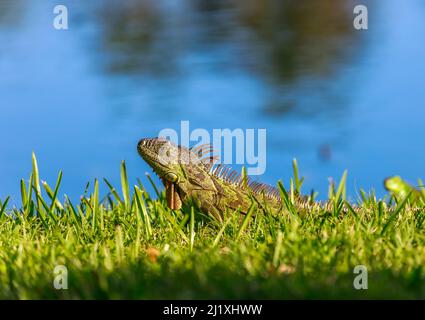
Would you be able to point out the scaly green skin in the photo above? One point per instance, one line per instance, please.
(187, 176)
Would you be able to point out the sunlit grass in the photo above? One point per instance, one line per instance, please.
(129, 245)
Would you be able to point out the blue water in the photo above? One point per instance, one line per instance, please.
(333, 97)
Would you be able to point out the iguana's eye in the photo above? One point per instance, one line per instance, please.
(171, 177)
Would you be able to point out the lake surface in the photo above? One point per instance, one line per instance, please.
(331, 96)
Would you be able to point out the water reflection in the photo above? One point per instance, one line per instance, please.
(132, 38)
(300, 38)
(11, 13)
(290, 45)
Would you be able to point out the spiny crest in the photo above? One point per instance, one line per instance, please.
(266, 189)
(206, 155)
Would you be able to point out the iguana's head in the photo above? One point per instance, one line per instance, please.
(180, 169)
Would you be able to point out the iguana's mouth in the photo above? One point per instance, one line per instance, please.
(172, 195)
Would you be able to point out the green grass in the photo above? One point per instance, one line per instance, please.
(129, 245)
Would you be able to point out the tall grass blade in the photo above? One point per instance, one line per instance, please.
(286, 201)
(44, 208)
(192, 228)
(124, 185)
(36, 182)
(246, 220)
(297, 180)
(114, 192)
(394, 215)
(341, 191)
(244, 176)
(142, 211)
(220, 233)
(153, 184)
(95, 204)
(24, 198)
(3, 207)
(53, 195)
(74, 214)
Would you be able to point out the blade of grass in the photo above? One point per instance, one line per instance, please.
(339, 197)
(291, 190)
(192, 228)
(95, 204)
(340, 193)
(44, 206)
(36, 181)
(124, 185)
(286, 201)
(24, 198)
(140, 204)
(351, 210)
(245, 221)
(244, 177)
(3, 207)
(114, 192)
(74, 214)
(220, 233)
(153, 184)
(297, 180)
(394, 215)
(30, 204)
(55, 193)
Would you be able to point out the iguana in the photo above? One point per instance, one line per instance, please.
(193, 173)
